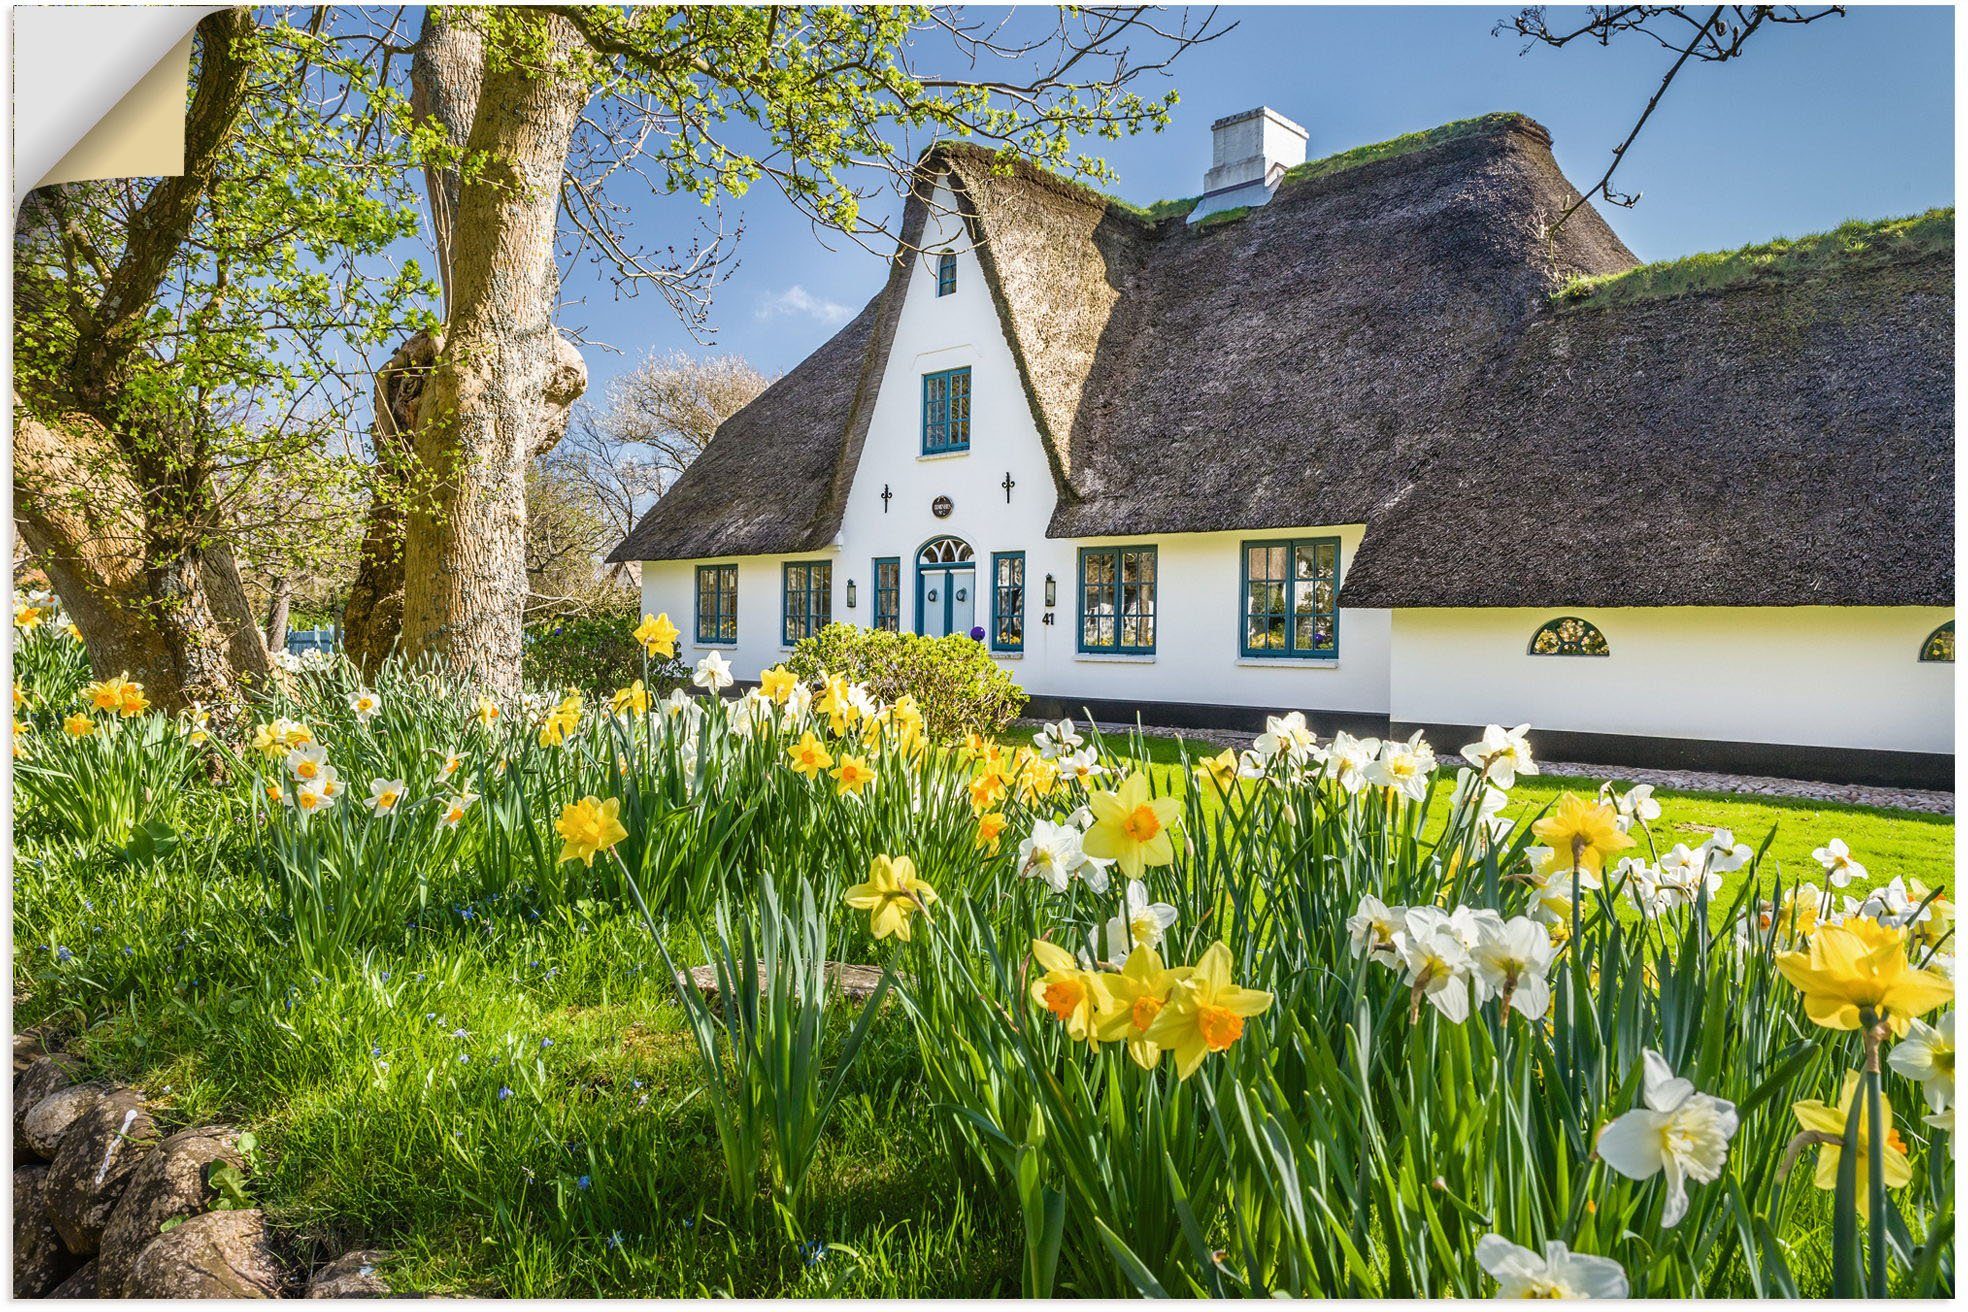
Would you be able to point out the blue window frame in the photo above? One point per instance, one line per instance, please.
(1007, 601)
(1117, 600)
(809, 599)
(946, 411)
(946, 274)
(717, 603)
(888, 593)
(1291, 599)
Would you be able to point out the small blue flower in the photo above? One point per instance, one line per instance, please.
(63, 954)
(504, 1093)
(129, 952)
(385, 977)
(376, 1052)
(546, 1043)
(464, 1056)
(635, 1084)
(430, 1015)
(461, 1033)
(615, 1239)
(585, 1182)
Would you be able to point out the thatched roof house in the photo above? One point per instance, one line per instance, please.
(1397, 339)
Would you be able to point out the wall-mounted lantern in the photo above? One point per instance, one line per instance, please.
(850, 594)
(1052, 592)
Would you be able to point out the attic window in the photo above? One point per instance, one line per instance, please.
(1939, 646)
(1568, 635)
(946, 411)
(946, 274)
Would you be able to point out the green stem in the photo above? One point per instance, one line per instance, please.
(1876, 1132)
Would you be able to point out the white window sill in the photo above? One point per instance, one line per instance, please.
(1095, 658)
(927, 457)
(1288, 662)
(714, 646)
(1007, 655)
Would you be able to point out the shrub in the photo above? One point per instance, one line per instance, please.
(595, 653)
(954, 680)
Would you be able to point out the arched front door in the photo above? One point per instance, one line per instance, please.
(946, 587)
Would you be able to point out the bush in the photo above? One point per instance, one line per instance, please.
(595, 653)
(954, 680)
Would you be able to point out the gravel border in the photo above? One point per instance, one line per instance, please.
(1903, 799)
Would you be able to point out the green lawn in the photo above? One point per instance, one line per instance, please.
(1912, 844)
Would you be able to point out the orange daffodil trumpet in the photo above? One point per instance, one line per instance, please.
(1205, 1012)
(892, 894)
(589, 827)
(119, 696)
(1131, 828)
(1071, 992)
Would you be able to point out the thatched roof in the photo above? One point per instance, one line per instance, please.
(1383, 331)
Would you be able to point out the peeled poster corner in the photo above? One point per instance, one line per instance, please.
(99, 91)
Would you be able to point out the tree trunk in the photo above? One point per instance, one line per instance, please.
(505, 378)
(374, 615)
(278, 609)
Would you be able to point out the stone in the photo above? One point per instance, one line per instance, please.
(213, 1255)
(852, 982)
(80, 1285)
(98, 1153)
(169, 1181)
(43, 1124)
(29, 1048)
(352, 1275)
(40, 1261)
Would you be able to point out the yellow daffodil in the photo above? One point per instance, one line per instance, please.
(809, 755)
(987, 789)
(990, 827)
(1205, 1012)
(834, 703)
(28, 618)
(892, 894)
(21, 728)
(1071, 992)
(658, 636)
(1220, 770)
(487, 711)
(19, 699)
(1817, 1116)
(561, 721)
(778, 684)
(975, 747)
(589, 826)
(852, 776)
(120, 696)
(78, 725)
(1131, 828)
(1581, 834)
(632, 700)
(1858, 966)
(72, 630)
(1135, 998)
(906, 719)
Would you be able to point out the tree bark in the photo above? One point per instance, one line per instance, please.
(503, 383)
(374, 615)
(278, 609)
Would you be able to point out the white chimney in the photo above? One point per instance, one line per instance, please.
(1249, 152)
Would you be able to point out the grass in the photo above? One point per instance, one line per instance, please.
(1861, 243)
(1912, 844)
(1394, 147)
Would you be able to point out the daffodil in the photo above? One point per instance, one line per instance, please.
(1219, 770)
(561, 721)
(1053, 853)
(1374, 930)
(310, 799)
(892, 894)
(1510, 960)
(632, 700)
(78, 725)
(455, 807)
(1135, 998)
(1347, 759)
(1861, 966)
(1057, 739)
(1926, 1056)
(1581, 835)
(1071, 992)
(28, 618)
(778, 684)
(1141, 925)
(1840, 868)
(588, 827)
(306, 763)
(1502, 755)
(1820, 1118)
(384, 795)
(1205, 1012)
(990, 828)
(365, 704)
(1404, 769)
(987, 789)
(487, 711)
(1677, 1131)
(851, 776)
(658, 636)
(1131, 828)
(1286, 736)
(713, 674)
(1560, 1273)
(119, 696)
(809, 755)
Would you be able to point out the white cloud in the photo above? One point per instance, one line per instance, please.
(797, 300)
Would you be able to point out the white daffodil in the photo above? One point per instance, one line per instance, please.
(1142, 926)
(1374, 928)
(330, 782)
(1722, 853)
(713, 674)
(1926, 1056)
(1684, 1133)
(1436, 961)
(1347, 759)
(455, 807)
(1404, 767)
(1551, 887)
(1635, 804)
(1840, 868)
(1502, 755)
(307, 761)
(864, 703)
(385, 795)
(309, 799)
(1512, 958)
(1943, 1121)
(1052, 853)
(1082, 765)
(1893, 905)
(1286, 736)
(1560, 1273)
(1682, 876)
(365, 704)
(1642, 884)
(1057, 739)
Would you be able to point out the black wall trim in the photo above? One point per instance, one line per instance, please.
(1834, 765)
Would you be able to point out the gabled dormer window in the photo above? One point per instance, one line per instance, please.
(946, 411)
(946, 273)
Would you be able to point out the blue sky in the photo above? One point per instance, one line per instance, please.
(1850, 117)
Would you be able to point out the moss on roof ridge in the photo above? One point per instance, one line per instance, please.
(1854, 245)
(1405, 144)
